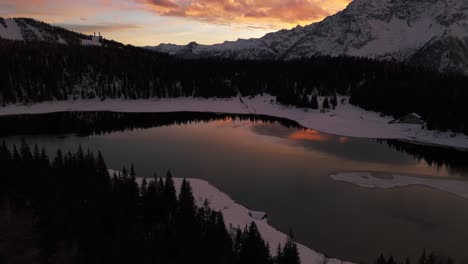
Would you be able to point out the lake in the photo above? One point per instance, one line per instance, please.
(274, 165)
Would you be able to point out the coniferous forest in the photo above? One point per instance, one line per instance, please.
(38, 71)
(70, 210)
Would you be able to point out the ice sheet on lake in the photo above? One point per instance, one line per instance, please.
(368, 180)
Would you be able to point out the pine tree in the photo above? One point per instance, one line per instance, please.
(407, 261)
(290, 253)
(101, 166)
(381, 260)
(132, 171)
(334, 101)
(326, 104)
(279, 255)
(314, 102)
(254, 249)
(169, 194)
(160, 188)
(144, 187)
(238, 239)
(423, 258)
(124, 173)
(186, 201)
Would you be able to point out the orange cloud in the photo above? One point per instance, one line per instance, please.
(276, 13)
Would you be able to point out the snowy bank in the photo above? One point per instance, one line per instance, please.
(345, 120)
(367, 180)
(238, 216)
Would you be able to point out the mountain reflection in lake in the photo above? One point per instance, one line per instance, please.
(276, 166)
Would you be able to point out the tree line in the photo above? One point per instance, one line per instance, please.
(454, 160)
(425, 258)
(96, 123)
(39, 71)
(71, 210)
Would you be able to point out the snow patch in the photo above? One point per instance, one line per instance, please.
(258, 215)
(94, 41)
(61, 41)
(12, 31)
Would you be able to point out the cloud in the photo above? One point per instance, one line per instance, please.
(102, 27)
(253, 13)
(50, 10)
(163, 3)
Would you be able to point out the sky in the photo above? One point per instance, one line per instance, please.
(150, 22)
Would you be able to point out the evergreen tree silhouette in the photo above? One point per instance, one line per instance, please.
(326, 104)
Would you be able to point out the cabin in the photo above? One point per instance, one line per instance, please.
(412, 118)
(258, 215)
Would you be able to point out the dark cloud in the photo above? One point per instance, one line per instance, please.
(163, 3)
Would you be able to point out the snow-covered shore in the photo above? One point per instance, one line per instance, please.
(368, 180)
(237, 215)
(345, 120)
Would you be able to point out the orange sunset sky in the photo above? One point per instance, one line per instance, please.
(150, 22)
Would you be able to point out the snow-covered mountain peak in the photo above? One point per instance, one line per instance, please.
(430, 32)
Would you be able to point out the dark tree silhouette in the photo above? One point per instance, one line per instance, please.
(71, 210)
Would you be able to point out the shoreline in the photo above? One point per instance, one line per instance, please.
(235, 215)
(346, 120)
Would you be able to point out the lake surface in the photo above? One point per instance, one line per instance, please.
(276, 166)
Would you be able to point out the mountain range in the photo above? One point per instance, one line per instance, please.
(433, 33)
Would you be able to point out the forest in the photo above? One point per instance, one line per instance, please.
(70, 210)
(39, 71)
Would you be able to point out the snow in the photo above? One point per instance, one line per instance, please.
(398, 38)
(61, 41)
(237, 215)
(36, 32)
(12, 31)
(258, 215)
(345, 120)
(94, 41)
(367, 180)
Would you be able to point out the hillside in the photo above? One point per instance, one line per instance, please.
(27, 29)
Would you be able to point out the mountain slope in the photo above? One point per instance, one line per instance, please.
(419, 31)
(31, 30)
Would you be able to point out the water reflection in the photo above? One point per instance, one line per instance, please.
(356, 149)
